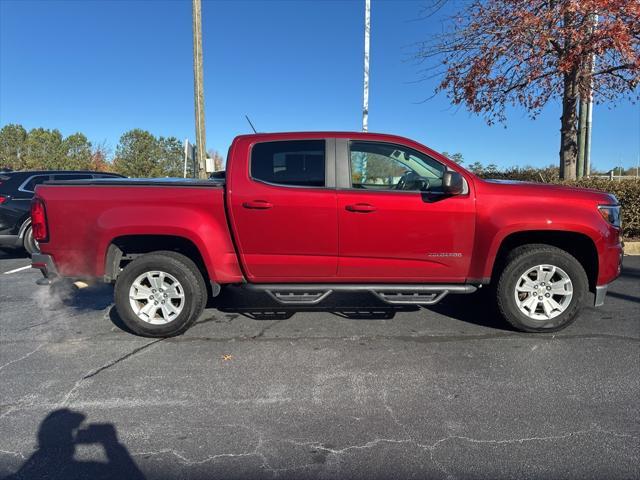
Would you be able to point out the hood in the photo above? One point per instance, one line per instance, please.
(514, 187)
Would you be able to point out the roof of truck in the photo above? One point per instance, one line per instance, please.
(322, 134)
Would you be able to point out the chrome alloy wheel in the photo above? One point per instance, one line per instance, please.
(543, 292)
(156, 297)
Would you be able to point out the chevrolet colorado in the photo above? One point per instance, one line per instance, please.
(302, 215)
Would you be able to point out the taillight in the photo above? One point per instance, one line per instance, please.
(2, 199)
(39, 220)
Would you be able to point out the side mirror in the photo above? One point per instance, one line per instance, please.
(452, 183)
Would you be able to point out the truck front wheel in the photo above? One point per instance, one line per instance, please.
(160, 294)
(541, 288)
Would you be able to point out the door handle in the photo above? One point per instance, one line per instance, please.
(258, 205)
(361, 208)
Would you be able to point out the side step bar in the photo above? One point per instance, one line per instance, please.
(395, 294)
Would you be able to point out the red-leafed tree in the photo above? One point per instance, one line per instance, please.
(527, 52)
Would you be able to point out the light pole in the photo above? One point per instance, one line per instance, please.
(587, 140)
(365, 100)
(198, 90)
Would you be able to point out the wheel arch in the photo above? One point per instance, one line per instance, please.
(123, 249)
(579, 245)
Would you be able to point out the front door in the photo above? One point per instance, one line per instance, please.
(395, 223)
(284, 212)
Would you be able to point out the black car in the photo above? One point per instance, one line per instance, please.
(16, 192)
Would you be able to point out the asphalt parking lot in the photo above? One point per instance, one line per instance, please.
(254, 391)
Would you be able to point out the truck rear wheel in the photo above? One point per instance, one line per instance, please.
(541, 289)
(29, 243)
(160, 294)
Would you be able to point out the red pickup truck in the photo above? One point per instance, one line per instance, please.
(302, 215)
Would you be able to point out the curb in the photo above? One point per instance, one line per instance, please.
(632, 248)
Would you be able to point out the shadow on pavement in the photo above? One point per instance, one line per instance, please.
(622, 296)
(630, 272)
(59, 434)
(476, 308)
(12, 253)
(260, 306)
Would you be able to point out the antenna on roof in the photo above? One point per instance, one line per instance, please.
(252, 127)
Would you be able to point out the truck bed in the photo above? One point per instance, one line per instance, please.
(86, 216)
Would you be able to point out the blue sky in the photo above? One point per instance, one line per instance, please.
(104, 67)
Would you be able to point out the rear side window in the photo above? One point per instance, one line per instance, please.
(30, 186)
(296, 163)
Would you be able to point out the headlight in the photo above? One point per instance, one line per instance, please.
(611, 213)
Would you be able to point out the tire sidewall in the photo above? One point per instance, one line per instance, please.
(513, 272)
(29, 242)
(169, 265)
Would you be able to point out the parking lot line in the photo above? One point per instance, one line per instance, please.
(17, 269)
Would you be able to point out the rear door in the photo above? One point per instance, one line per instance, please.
(395, 222)
(282, 201)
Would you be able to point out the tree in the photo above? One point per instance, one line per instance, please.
(138, 154)
(476, 167)
(44, 149)
(527, 52)
(491, 169)
(77, 151)
(456, 157)
(171, 156)
(12, 146)
(382, 169)
(99, 158)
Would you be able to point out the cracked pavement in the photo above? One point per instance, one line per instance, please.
(254, 390)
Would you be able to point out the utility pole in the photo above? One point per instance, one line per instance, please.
(198, 93)
(367, 31)
(585, 115)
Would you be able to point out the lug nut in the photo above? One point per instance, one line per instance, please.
(539, 298)
(548, 288)
(162, 302)
(547, 295)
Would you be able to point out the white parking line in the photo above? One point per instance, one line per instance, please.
(17, 269)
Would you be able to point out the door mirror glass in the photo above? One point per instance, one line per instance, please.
(452, 183)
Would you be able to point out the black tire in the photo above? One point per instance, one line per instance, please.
(29, 243)
(180, 267)
(517, 263)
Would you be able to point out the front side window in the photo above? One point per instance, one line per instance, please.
(384, 166)
(295, 163)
